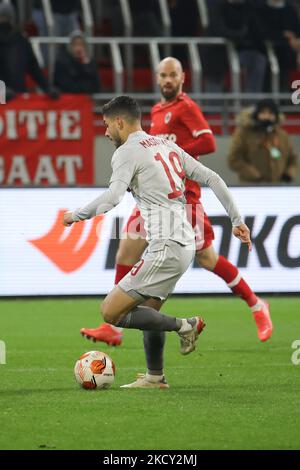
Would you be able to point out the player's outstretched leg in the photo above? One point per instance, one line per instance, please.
(107, 333)
(220, 266)
(123, 310)
(147, 318)
(154, 342)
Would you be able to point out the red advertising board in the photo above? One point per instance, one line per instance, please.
(47, 142)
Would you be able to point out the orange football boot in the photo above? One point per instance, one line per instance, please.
(105, 333)
(263, 322)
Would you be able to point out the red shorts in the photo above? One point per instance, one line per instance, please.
(204, 234)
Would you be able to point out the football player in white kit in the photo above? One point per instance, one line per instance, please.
(137, 164)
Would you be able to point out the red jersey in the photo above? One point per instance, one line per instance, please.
(182, 121)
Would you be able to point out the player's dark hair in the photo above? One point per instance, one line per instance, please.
(122, 106)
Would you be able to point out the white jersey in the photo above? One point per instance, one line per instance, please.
(155, 170)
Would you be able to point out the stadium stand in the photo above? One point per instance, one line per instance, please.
(127, 60)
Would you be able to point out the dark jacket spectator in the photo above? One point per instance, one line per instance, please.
(65, 14)
(239, 22)
(17, 57)
(75, 71)
(146, 18)
(64, 7)
(185, 22)
(296, 5)
(293, 40)
(261, 150)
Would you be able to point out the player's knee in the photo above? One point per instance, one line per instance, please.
(104, 309)
(107, 314)
(107, 317)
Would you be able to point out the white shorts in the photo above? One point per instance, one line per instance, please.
(157, 272)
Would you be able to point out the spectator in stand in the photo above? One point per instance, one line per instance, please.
(145, 17)
(75, 71)
(293, 40)
(185, 22)
(261, 151)
(184, 17)
(113, 10)
(65, 15)
(238, 21)
(281, 22)
(296, 5)
(17, 57)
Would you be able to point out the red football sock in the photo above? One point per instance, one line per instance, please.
(121, 271)
(230, 274)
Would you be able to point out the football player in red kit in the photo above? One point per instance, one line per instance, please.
(178, 118)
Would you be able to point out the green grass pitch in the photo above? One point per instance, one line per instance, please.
(232, 393)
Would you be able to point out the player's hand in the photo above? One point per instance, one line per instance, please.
(68, 219)
(243, 233)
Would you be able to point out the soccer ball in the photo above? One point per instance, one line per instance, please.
(95, 369)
